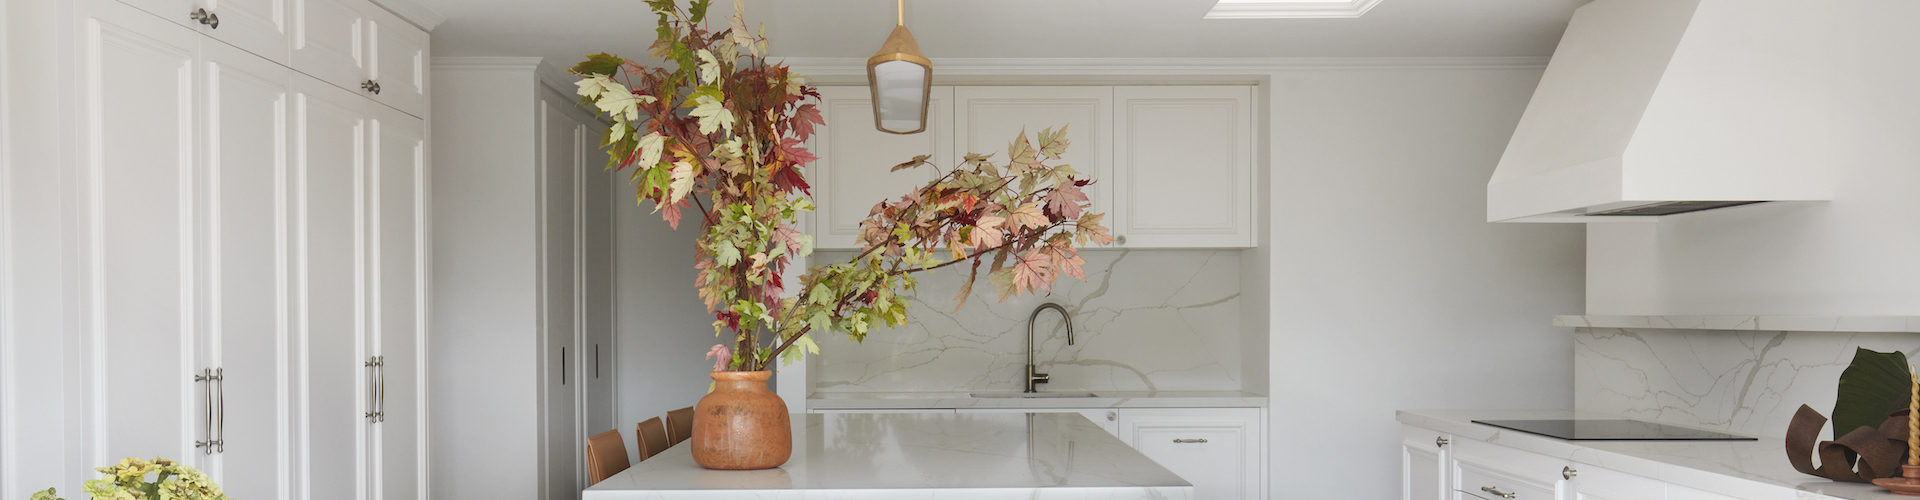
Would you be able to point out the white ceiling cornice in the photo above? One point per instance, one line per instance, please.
(833, 67)
(1289, 9)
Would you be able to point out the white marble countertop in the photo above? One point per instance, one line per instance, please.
(1897, 324)
(1102, 399)
(1746, 469)
(918, 456)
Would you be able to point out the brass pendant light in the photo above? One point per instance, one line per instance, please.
(902, 81)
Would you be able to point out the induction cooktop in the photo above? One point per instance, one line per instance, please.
(1611, 430)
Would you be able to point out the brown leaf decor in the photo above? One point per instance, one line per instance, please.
(1860, 456)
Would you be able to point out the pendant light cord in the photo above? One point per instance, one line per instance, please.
(900, 9)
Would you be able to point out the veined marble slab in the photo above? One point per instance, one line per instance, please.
(918, 456)
(1744, 469)
(1748, 382)
(1144, 320)
(1750, 323)
(1104, 399)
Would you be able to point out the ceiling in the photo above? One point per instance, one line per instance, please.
(568, 29)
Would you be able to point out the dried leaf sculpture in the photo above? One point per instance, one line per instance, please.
(1860, 456)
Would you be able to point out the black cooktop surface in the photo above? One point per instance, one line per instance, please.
(1610, 430)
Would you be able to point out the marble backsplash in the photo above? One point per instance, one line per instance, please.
(1143, 320)
(1749, 382)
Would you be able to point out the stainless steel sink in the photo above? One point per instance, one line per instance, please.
(1033, 395)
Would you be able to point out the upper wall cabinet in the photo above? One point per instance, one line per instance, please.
(1183, 166)
(257, 26)
(358, 46)
(988, 118)
(1173, 165)
(852, 174)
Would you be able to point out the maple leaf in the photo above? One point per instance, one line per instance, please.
(1089, 229)
(794, 152)
(1053, 143)
(1023, 156)
(804, 118)
(709, 67)
(986, 233)
(713, 114)
(649, 148)
(1034, 271)
(1066, 260)
(1002, 281)
(789, 179)
(915, 162)
(672, 215)
(683, 176)
(1065, 201)
(796, 242)
(598, 64)
(738, 26)
(1027, 215)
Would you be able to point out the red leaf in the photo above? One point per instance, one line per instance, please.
(796, 154)
(804, 118)
(1033, 272)
(789, 180)
(1065, 201)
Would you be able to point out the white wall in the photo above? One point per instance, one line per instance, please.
(482, 382)
(1855, 255)
(661, 326)
(1390, 291)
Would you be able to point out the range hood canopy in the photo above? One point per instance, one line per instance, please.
(1654, 107)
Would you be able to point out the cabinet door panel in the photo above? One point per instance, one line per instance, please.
(1595, 483)
(988, 118)
(174, 11)
(330, 167)
(328, 41)
(399, 62)
(399, 270)
(1216, 449)
(257, 26)
(852, 173)
(246, 133)
(1183, 166)
(559, 337)
(1420, 469)
(136, 171)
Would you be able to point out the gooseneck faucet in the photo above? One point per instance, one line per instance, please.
(1033, 376)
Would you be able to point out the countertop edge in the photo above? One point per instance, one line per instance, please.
(1453, 422)
(1893, 324)
(1048, 403)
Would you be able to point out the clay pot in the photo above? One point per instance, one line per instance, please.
(741, 425)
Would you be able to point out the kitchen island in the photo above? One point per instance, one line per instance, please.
(918, 456)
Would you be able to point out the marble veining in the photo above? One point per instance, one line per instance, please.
(1755, 323)
(864, 455)
(1755, 470)
(1144, 320)
(1109, 399)
(1748, 382)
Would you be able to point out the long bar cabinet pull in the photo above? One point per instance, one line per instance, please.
(206, 390)
(220, 376)
(1183, 441)
(380, 364)
(373, 387)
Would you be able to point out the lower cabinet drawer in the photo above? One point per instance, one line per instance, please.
(1484, 482)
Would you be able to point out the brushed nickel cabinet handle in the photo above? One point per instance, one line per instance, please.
(1497, 492)
(1442, 441)
(1568, 472)
(220, 443)
(212, 21)
(1112, 416)
(1190, 440)
(372, 388)
(206, 377)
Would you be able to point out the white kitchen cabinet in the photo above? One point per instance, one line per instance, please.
(1423, 463)
(356, 45)
(1478, 470)
(250, 246)
(852, 174)
(256, 26)
(1183, 166)
(1594, 483)
(987, 119)
(1107, 419)
(1216, 449)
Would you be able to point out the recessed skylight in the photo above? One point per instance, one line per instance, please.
(1289, 9)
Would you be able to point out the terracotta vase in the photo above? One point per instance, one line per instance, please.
(741, 425)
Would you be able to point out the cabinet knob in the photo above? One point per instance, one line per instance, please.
(1496, 492)
(1113, 415)
(1441, 441)
(206, 18)
(1568, 472)
(1190, 440)
(371, 86)
(1121, 239)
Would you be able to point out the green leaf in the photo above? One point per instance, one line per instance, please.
(699, 9)
(598, 64)
(1875, 384)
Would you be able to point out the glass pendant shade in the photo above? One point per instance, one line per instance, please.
(902, 83)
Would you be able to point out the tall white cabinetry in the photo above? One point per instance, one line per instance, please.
(523, 301)
(249, 261)
(1172, 165)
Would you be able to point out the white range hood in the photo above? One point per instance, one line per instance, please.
(1666, 106)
